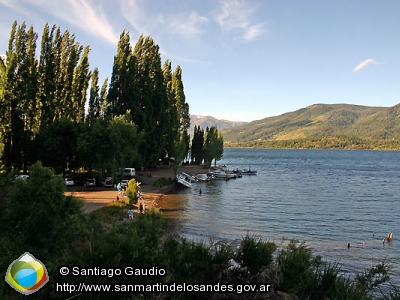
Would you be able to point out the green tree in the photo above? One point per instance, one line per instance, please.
(94, 98)
(182, 107)
(56, 145)
(80, 86)
(47, 73)
(122, 93)
(125, 141)
(197, 153)
(94, 147)
(37, 212)
(172, 110)
(38, 218)
(18, 85)
(131, 191)
(181, 104)
(213, 146)
(177, 142)
(103, 98)
(63, 76)
(150, 113)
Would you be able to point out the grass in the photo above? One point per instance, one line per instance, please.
(163, 181)
(111, 212)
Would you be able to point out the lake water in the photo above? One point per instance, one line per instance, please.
(326, 198)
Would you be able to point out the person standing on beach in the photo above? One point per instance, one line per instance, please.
(144, 208)
(130, 214)
(141, 208)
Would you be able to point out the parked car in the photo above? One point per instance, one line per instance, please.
(69, 181)
(108, 182)
(90, 182)
(19, 177)
(129, 172)
(124, 183)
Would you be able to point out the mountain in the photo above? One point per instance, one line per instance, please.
(322, 120)
(204, 121)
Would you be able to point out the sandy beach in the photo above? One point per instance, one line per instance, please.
(96, 198)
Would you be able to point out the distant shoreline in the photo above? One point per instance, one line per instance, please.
(321, 143)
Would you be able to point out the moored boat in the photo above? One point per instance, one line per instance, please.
(204, 177)
(184, 179)
(249, 172)
(222, 174)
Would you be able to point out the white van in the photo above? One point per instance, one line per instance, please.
(129, 172)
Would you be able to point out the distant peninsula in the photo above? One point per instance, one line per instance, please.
(322, 126)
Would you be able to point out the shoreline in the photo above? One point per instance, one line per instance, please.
(95, 198)
(155, 194)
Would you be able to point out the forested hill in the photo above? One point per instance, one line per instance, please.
(207, 121)
(320, 121)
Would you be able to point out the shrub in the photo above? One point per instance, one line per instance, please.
(163, 181)
(255, 255)
(188, 261)
(131, 191)
(294, 267)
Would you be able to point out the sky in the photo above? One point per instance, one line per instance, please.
(242, 60)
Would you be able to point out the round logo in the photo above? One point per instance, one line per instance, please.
(27, 274)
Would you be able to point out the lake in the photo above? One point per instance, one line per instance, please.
(327, 198)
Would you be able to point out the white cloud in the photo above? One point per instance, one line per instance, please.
(139, 14)
(253, 32)
(238, 15)
(363, 64)
(82, 14)
(187, 24)
(134, 12)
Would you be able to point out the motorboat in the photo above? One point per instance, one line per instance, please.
(222, 174)
(238, 173)
(185, 179)
(249, 172)
(204, 177)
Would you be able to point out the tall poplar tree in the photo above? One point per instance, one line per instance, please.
(172, 136)
(66, 58)
(151, 113)
(213, 146)
(79, 87)
(94, 106)
(182, 107)
(122, 93)
(197, 145)
(34, 93)
(47, 73)
(103, 98)
(63, 77)
(18, 89)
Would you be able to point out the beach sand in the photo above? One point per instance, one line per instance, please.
(95, 198)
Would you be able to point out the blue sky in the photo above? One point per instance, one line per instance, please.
(242, 60)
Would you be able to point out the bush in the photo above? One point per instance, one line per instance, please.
(163, 181)
(295, 267)
(131, 191)
(255, 255)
